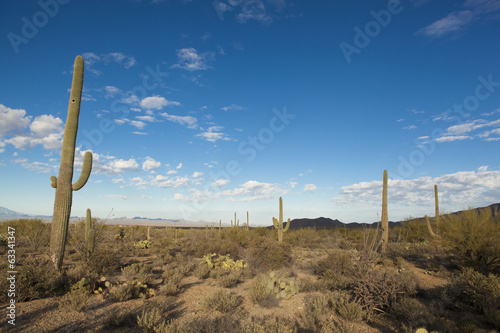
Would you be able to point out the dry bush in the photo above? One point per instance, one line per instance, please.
(257, 289)
(378, 289)
(268, 324)
(474, 236)
(319, 307)
(119, 318)
(76, 300)
(264, 254)
(336, 269)
(141, 272)
(306, 237)
(473, 291)
(223, 301)
(228, 278)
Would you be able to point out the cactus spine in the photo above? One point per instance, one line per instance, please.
(385, 218)
(436, 204)
(278, 224)
(63, 184)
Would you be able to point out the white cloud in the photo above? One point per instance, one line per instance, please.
(118, 181)
(146, 118)
(140, 133)
(119, 166)
(111, 91)
(189, 59)
(197, 174)
(12, 121)
(411, 127)
(171, 172)
(220, 183)
(453, 22)
(189, 121)
(174, 182)
(292, 184)
(310, 188)
(456, 191)
(212, 134)
(137, 123)
(40, 167)
(150, 164)
(116, 196)
(451, 138)
(157, 102)
(91, 59)
(179, 166)
(254, 191)
(253, 10)
(45, 125)
(233, 107)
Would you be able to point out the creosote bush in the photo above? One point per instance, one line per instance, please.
(264, 254)
(223, 301)
(475, 237)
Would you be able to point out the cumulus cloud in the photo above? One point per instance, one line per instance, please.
(254, 191)
(456, 191)
(12, 121)
(190, 60)
(310, 188)
(111, 91)
(45, 130)
(150, 164)
(213, 134)
(156, 102)
(197, 174)
(189, 121)
(220, 183)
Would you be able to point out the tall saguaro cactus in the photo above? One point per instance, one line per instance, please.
(436, 204)
(88, 222)
(278, 224)
(63, 183)
(385, 217)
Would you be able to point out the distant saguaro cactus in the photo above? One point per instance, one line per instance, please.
(429, 226)
(89, 233)
(63, 184)
(278, 224)
(385, 217)
(436, 204)
(248, 223)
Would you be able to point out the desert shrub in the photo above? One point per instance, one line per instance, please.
(318, 308)
(151, 320)
(474, 236)
(335, 269)
(208, 324)
(37, 279)
(228, 277)
(223, 301)
(306, 237)
(100, 262)
(256, 289)
(264, 255)
(473, 291)
(268, 324)
(202, 271)
(118, 318)
(337, 325)
(414, 230)
(124, 292)
(412, 313)
(171, 282)
(378, 289)
(307, 284)
(76, 300)
(142, 272)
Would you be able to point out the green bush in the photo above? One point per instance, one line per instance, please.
(474, 236)
(336, 269)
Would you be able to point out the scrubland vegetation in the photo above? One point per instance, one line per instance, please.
(239, 280)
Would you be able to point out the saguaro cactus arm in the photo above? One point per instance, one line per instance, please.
(429, 226)
(86, 169)
(275, 223)
(54, 181)
(287, 225)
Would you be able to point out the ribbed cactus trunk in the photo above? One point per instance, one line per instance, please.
(385, 217)
(88, 223)
(278, 224)
(248, 223)
(63, 184)
(429, 226)
(436, 206)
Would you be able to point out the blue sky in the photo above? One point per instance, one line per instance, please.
(199, 109)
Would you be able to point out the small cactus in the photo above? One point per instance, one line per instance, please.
(280, 287)
(278, 224)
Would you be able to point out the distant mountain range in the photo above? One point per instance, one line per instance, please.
(320, 222)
